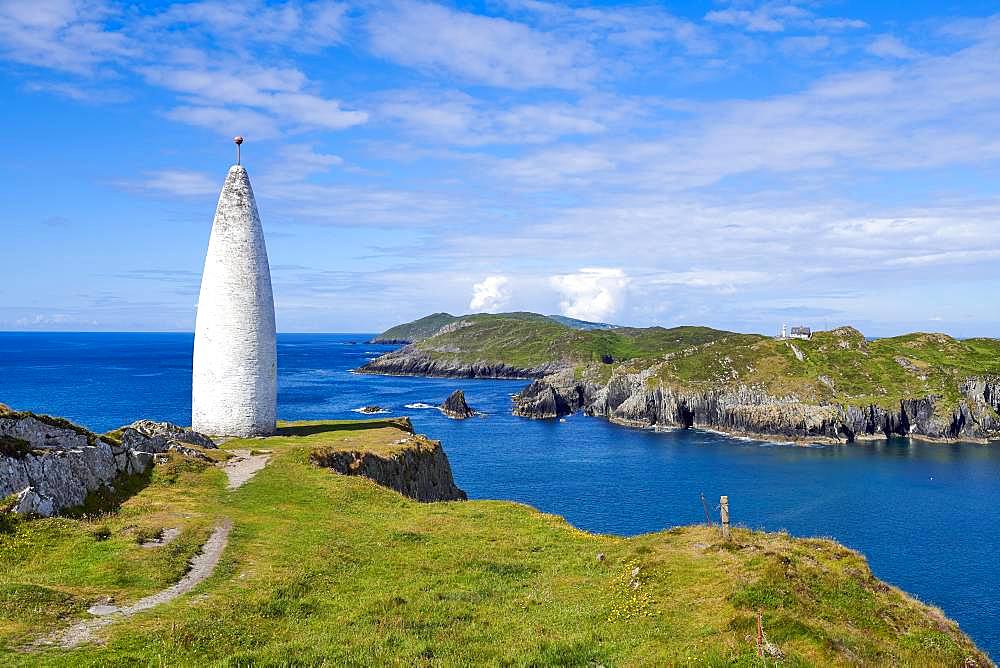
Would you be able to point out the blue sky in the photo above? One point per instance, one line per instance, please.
(735, 164)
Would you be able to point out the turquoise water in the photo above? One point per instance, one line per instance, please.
(926, 516)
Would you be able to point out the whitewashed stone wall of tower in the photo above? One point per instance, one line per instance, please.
(234, 389)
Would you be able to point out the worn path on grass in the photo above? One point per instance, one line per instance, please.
(243, 466)
(202, 566)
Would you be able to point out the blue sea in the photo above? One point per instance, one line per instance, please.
(927, 516)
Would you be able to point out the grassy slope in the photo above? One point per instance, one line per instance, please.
(527, 340)
(858, 372)
(328, 568)
(838, 366)
(418, 329)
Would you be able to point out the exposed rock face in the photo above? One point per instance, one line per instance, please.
(149, 436)
(419, 469)
(629, 399)
(65, 462)
(64, 465)
(455, 407)
(44, 433)
(412, 361)
(557, 395)
(540, 400)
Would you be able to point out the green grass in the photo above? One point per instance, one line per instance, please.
(839, 366)
(526, 340)
(418, 329)
(335, 570)
(836, 367)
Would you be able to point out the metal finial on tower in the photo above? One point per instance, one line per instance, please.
(238, 139)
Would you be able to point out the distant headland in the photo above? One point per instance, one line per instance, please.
(826, 386)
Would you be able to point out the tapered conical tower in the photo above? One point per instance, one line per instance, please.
(234, 389)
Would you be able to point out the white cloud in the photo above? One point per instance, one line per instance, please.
(769, 17)
(630, 27)
(837, 23)
(65, 35)
(490, 295)
(52, 321)
(886, 118)
(557, 166)
(196, 50)
(592, 293)
(227, 121)
(484, 49)
(300, 161)
(777, 16)
(299, 25)
(888, 46)
(725, 279)
(262, 96)
(179, 182)
(804, 45)
(460, 119)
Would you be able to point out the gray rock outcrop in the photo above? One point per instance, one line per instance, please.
(417, 468)
(150, 436)
(455, 406)
(540, 400)
(63, 462)
(629, 399)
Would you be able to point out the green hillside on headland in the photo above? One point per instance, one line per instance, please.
(416, 330)
(833, 366)
(322, 568)
(529, 339)
(834, 386)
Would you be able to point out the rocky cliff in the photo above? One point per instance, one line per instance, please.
(56, 463)
(636, 399)
(415, 466)
(413, 361)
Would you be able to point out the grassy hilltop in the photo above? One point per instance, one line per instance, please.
(328, 569)
(528, 339)
(839, 366)
(425, 327)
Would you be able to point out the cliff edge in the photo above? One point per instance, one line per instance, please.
(410, 463)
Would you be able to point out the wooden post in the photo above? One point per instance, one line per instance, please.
(760, 635)
(724, 514)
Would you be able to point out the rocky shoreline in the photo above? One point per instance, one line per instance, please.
(411, 361)
(753, 413)
(743, 411)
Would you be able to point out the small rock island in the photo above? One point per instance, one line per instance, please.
(455, 407)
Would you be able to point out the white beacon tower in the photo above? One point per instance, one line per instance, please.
(234, 388)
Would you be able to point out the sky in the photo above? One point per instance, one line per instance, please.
(734, 164)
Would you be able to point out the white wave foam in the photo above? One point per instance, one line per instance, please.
(419, 405)
(370, 412)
